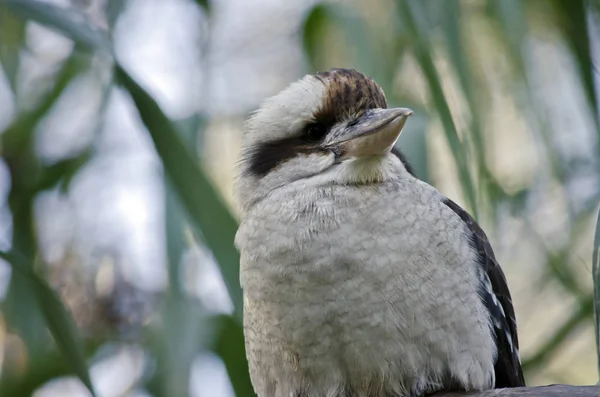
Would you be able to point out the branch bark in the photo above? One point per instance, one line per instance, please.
(539, 391)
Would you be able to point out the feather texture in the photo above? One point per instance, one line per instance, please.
(496, 296)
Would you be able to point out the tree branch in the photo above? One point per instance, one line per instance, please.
(539, 391)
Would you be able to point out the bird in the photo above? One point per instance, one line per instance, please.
(358, 278)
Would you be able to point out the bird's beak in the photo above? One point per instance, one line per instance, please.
(375, 133)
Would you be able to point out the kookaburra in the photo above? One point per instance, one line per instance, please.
(359, 279)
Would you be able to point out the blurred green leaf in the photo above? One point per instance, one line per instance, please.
(176, 224)
(313, 31)
(21, 308)
(191, 129)
(510, 19)
(179, 345)
(114, 8)
(41, 370)
(230, 347)
(558, 269)
(18, 136)
(362, 50)
(58, 319)
(201, 201)
(415, 21)
(205, 4)
(574, 23)
(24, 316)
(596, 277)
(12, 37)
(31, 305)
(365, 57)
(62, 172)
(69, 22)
(453, 22)
(196, 193)
(581, 314)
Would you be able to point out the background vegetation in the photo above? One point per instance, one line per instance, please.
(505, 96)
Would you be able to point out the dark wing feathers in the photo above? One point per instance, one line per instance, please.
(496, 297)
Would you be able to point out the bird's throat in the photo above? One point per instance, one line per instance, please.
(368, 170)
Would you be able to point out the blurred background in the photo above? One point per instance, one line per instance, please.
(121, 122)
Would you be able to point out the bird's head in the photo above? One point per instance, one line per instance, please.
(333, 125)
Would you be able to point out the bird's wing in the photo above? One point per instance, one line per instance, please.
(496, 297)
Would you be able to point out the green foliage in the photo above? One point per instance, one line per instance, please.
(574, 23)
(58, 319)
(596, 275)
(30, 313)
(216, 226)
(12, 30)
(192, 186)
(416, 24)
(74, 26)
(418, 30)
(314, 30)
(205, 4)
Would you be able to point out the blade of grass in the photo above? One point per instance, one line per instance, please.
(72, 24)
(18, 136)
(178, 343)
(313, 29)
(574, 23)
(20, 307)
(552, 344)
(453, 22)
(596, 277)
(58, 319)
(47, 367)
(316, 26)
(414, 19)
(12, 36)
(360, 38)
(28, 177)
(113, 10)
(24, 317)
(175, 234)
(230, 347)
(511, 22)
(509, 17)
(205, 4)
(177, 334)
(575, 26)
(195, 191)
(43, 369)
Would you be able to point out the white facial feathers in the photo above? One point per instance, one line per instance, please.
(285, 113)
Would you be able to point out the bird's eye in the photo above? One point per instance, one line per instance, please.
(352, 123)
(315, 132)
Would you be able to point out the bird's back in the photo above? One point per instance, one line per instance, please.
(369, 290)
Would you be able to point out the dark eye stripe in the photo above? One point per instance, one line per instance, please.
(352, 123)
(268, 155)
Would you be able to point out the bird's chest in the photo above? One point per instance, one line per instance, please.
(304, 247)
(330, 276)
